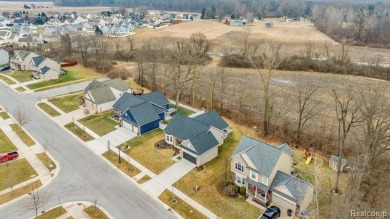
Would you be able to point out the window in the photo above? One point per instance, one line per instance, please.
(239, 167)
(238, 179)
(167, 138)
(170, 137)
(253, 175)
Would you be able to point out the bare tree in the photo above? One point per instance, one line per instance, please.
(212, 84)
(37, 200)
(131, 41)
(21, 117)
(223, 78)
(307, 106)
(348, 116)
(66, 42)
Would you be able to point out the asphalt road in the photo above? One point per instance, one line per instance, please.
(83, 175)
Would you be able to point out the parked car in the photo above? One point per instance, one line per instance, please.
(4, 68)
(271, 213)
(4, 157)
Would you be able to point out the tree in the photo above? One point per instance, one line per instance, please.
(307, 106)
(131, 41)
(66, 42)
(213, 11)
(123, 11)
(98, 31)
(37, 200)
(21, 117)
(348, 116)
(203, 14)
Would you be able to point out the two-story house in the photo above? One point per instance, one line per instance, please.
(198, 137)
(265, 172)
(143, 113)
(45, 68)
(21, 60)
(101, 96)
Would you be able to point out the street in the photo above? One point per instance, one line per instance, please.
(83, 175)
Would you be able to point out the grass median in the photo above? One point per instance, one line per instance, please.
(48, 109)
(22, 134)
(53, 213)
(124, 166)
(95, 213)
(19, 192)
(80, 133)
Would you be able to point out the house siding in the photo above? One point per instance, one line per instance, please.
(308, 198)
(284, 165)
(232, 166)
(50, 75)
(207, 156)
(149, 127)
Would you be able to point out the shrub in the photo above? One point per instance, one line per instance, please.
(118, 72)
(230, 191)
(242, 190)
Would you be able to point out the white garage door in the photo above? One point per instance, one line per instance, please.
(89, 105)
(283, 202)
(130, 127)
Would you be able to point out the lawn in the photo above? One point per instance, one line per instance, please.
(47, 161)
(210, 180)
(144, 179)
(83, 135)
(53, 213)
(22, 134)
(100, 123)
(7, 80)
(95, 213)
(184, 111)
(19, 192)
(181, 207)
(143, 151)
(48, 109)
(6, 145)
(4, 115)
(21, 76)
(15, 172)
(20, 89)
(67, 103)
(123, 166)
(77, 72)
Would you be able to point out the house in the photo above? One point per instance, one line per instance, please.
(4, 57)
(197, 137)
(5, 37)
(21, 60)
(265, 172)
(101, 96)
(334, 162)
(143, 113)
(45, 68)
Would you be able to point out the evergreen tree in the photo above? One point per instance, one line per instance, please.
(213, 11)
(98, 31)
(203, 15)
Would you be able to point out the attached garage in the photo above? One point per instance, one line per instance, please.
(189, 157)
(131, 127)
(283, 202)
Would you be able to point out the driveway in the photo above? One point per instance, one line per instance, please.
(83, 175)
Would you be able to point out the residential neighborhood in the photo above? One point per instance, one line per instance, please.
(194, 109)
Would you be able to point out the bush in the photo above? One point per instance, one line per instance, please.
(243, 191)
(118, 73)
(230, 191)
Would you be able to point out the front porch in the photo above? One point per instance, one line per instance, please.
(262, 196)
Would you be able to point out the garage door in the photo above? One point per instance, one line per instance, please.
(189, 157)
(131, 127)
(283, 202)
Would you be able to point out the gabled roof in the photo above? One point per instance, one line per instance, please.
(203, 142)
(262, 155)
(287, 149)
(45, 69)
(212, 118)
(118, 84)
(93, 85)
(183, 127)
(156, 98)
(38, 60)
(126, 101)
(144, 113)
(22, 53)
(290, 187)
(102, 95)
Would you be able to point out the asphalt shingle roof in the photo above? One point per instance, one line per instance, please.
(298, 188)
(156, 98)
(45, 69)
(184, 128)
(262, 155)
(38, 60)
(212, 118)
(287, 149)
(102, 95)
(144, 113)
(203, 142)
(118, 84)
(126, 101)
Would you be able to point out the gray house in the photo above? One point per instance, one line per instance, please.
(197, 138)
(45, 68)
(21, 60)
(265, 172)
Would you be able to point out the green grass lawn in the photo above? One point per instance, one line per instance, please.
(22, 134)
(4, 115)
(181, 207)
(20, 89)
(123, 166)
(77, 72)
(100, 123)
(210, 180)
(15, 172)
(53, 213)
(19, 192)
(21, 76)
(184, 111)
(47, 161)
(67, 103)
(143, 151)
(48, 109)
(78, 132)
(6, 145)
(7, 80)
(95, 213)
(144, 179)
